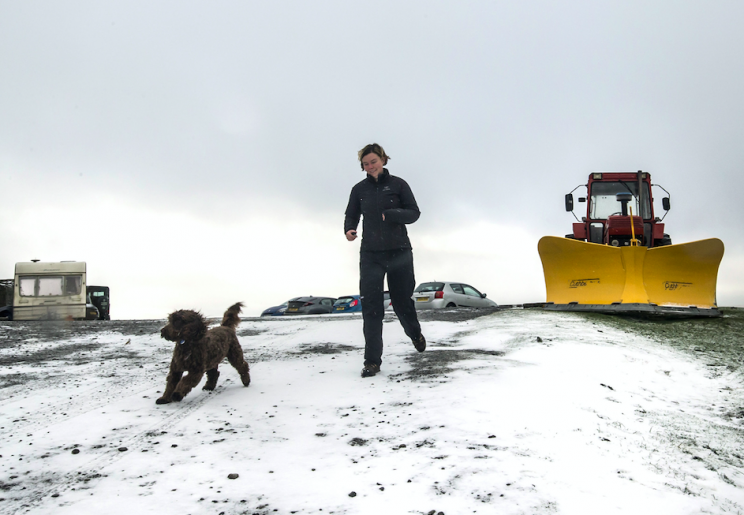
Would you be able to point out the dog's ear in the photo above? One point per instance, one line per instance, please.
(194, 330)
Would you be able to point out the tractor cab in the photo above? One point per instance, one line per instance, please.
(619, 209)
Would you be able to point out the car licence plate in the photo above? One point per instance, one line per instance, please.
(340, 309)
(292, 309)
(422, 299)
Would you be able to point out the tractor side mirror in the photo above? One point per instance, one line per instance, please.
(665, 203)
(569, 202)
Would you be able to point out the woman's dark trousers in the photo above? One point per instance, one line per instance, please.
(398, 265)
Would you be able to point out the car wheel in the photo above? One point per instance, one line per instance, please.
(451, 305)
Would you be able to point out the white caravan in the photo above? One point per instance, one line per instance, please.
(49, 291)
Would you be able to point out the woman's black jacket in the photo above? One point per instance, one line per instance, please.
(391, 196)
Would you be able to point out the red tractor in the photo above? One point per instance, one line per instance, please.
(619, 260)
(613, 196)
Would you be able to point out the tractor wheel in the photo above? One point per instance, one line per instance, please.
(664, 241)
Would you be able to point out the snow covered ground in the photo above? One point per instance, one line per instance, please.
(515, 412)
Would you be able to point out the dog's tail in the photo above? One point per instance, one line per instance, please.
(230, 318)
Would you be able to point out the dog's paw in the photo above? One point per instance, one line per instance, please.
(176, 396)
(246, 379)
(209, 387)
(162, 400)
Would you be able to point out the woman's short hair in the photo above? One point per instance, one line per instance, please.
(373, 148)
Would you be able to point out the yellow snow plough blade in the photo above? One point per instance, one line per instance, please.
(672, 280)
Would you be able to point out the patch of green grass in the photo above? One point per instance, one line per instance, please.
(718, 341)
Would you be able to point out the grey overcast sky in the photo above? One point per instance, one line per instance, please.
(199, 153)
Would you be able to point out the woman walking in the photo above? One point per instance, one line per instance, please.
(387, 204)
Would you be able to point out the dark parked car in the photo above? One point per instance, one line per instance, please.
(91, 312)
(310, 306)
(348, 304)
(276, 311)
(99, 296)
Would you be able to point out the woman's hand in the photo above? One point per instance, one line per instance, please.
(351, 235)
(383, 217)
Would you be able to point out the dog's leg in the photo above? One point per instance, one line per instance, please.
(212, 376)
(236, 359)
(186, 383)
(174, 376)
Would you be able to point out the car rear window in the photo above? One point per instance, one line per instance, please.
(430, 287)
(343, 300)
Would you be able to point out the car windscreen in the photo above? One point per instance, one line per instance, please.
(343, 300)
(430, 287)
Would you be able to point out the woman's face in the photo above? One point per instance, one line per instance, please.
(372, 164)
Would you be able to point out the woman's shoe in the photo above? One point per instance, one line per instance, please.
(420, 343)
(370, 370)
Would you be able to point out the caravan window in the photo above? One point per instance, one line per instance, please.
(73, 284)
(27, 286)
(50, 285)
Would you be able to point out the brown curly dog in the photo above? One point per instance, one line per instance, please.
(199, 350)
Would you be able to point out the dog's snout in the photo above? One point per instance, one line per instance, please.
(166, 333)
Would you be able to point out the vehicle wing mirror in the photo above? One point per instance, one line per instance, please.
(665, 203)
(569, 202)
(483, 295)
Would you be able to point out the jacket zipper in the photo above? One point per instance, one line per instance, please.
(379, 213)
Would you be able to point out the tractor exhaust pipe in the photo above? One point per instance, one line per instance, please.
(640, 194)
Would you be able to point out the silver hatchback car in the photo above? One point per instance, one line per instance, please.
(438, 295)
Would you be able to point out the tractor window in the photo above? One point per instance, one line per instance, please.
(603, 201)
